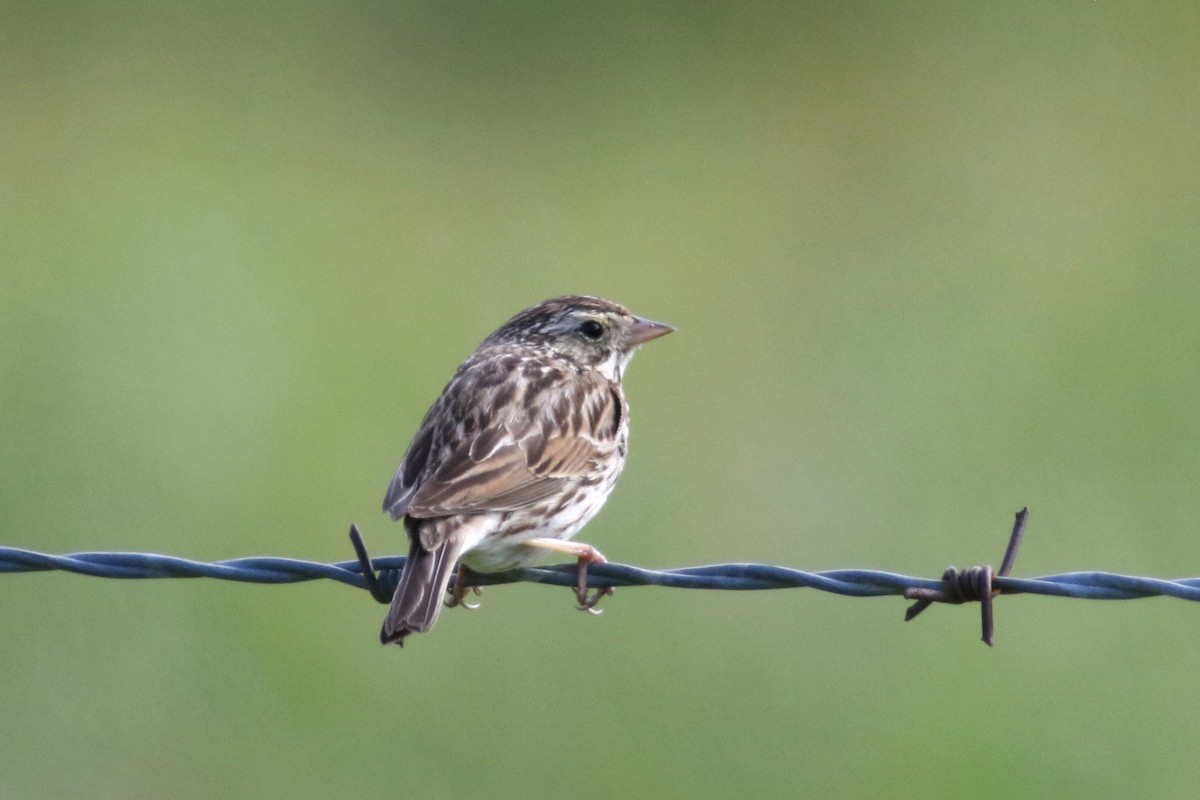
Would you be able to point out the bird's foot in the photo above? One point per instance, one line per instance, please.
(585, 554)
(458, 595)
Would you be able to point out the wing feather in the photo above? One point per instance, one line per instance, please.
(519, 462)
(404, 483)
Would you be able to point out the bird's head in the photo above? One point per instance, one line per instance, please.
(589, 332)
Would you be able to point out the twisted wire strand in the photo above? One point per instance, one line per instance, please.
(735, 577)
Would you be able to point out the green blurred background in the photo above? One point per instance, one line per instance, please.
(929, 263)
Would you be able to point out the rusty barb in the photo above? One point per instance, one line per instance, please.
(971, 585)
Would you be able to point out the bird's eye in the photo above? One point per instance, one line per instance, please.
(591, 330)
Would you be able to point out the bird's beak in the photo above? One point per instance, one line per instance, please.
(643, 330)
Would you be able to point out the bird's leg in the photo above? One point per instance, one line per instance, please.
(586, 554)
(458, 594)
(588, 603)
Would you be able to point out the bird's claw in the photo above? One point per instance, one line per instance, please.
(588, 598)
(588, 602)
(458, 595)
(455, 600)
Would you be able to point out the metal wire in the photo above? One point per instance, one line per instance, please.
(977, 584)
(737, 577)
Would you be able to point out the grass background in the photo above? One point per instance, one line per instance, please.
(929, 262)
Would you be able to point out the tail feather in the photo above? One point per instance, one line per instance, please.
(418, 598)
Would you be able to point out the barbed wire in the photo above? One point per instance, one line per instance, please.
(955, 586)
(732, 576)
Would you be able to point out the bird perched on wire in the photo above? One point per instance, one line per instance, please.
(521, 449)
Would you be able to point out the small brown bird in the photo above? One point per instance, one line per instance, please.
(520, 451)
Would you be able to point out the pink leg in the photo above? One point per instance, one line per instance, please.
(585, 554)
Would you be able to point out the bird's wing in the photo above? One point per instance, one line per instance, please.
(518, 462)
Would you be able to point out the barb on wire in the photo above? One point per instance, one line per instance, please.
(953, 587)
(962, 586)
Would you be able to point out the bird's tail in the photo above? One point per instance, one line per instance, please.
(418, 598)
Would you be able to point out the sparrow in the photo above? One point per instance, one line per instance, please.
(519, 452)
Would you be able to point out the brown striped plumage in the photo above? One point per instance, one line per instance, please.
(525, 443)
